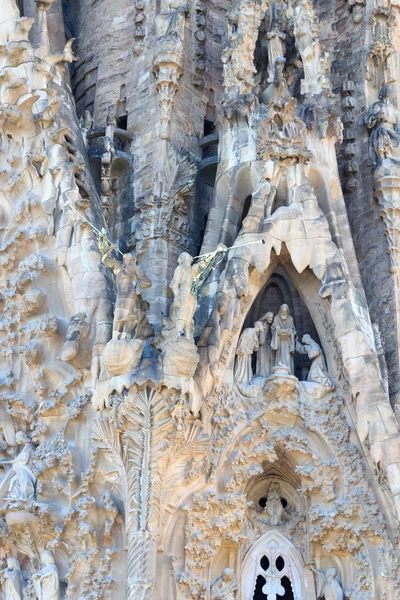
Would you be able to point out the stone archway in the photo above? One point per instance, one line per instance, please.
(272, 568)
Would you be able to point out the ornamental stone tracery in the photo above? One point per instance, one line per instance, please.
(199, 353)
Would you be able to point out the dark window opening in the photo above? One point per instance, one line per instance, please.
(264, 562)
(285, 582)
(122, 122)
(263, 502)
(209, 127)
(279, 563)
(258, 593)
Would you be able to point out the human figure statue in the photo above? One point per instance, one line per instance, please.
(383, 119)
(278, 87)
(318, 372)
(248, 343)
(283, 338)
(273, 507)
(19, 482)
(46, 581)
(265, 354)
(328, 587)
(185, 302)
(224, 587)
(171, 18)
(129, 306)
(275, 39)
(306, 35)
(11, 579)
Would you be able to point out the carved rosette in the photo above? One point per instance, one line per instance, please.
(168, 69)
(387, 192)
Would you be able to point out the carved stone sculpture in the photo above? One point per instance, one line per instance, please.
(11, 579)
(274, 511)
(19, 482)
(171, 19)
(129, 307)
(46, 581)
(283, 338)
(265, 357)
(76, 329)
(275, 38)
(383, 119)
(248, 344)
(318, 372)
(224, 587)
(185, 302)
(328, 587)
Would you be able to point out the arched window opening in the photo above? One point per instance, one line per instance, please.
(272, 570)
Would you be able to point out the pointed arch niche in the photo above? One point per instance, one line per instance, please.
(272, 563)
(278, 290)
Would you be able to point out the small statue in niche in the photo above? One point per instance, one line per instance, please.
(328, 587)
(284, 338)
(265, 354)
(77, 327)
(318, 372)
(46, 581)
(275, 38)
(171, 19)
(19, 482)
(383, 119)
(278, 87)
(248, 344)
(306, 35)
(130, 308)
(185, 302)
(11, 579)
(273, 508)
(224, 587)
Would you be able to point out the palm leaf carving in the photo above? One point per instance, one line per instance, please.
(173, 470)
(148, 425)
(106, 438)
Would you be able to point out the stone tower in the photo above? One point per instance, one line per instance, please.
(200, 329)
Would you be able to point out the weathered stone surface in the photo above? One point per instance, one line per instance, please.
(199, 285)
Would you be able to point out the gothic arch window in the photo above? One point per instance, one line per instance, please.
(272, 570)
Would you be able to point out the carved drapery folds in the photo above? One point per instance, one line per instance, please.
(383, 120)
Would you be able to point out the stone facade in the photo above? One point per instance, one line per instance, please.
(200, 330)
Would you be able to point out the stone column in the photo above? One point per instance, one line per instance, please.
(167, 68)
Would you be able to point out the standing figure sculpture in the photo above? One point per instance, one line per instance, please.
(248, 344)
(318, 372)
(275, 38)
(328, 587)
(273, 508)
(19, 482)
(284, 338)
(383, 119)
(224, 587)
(129, 306)
(265, 354)
(11, 580)
(185, 302)
(46, 581)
